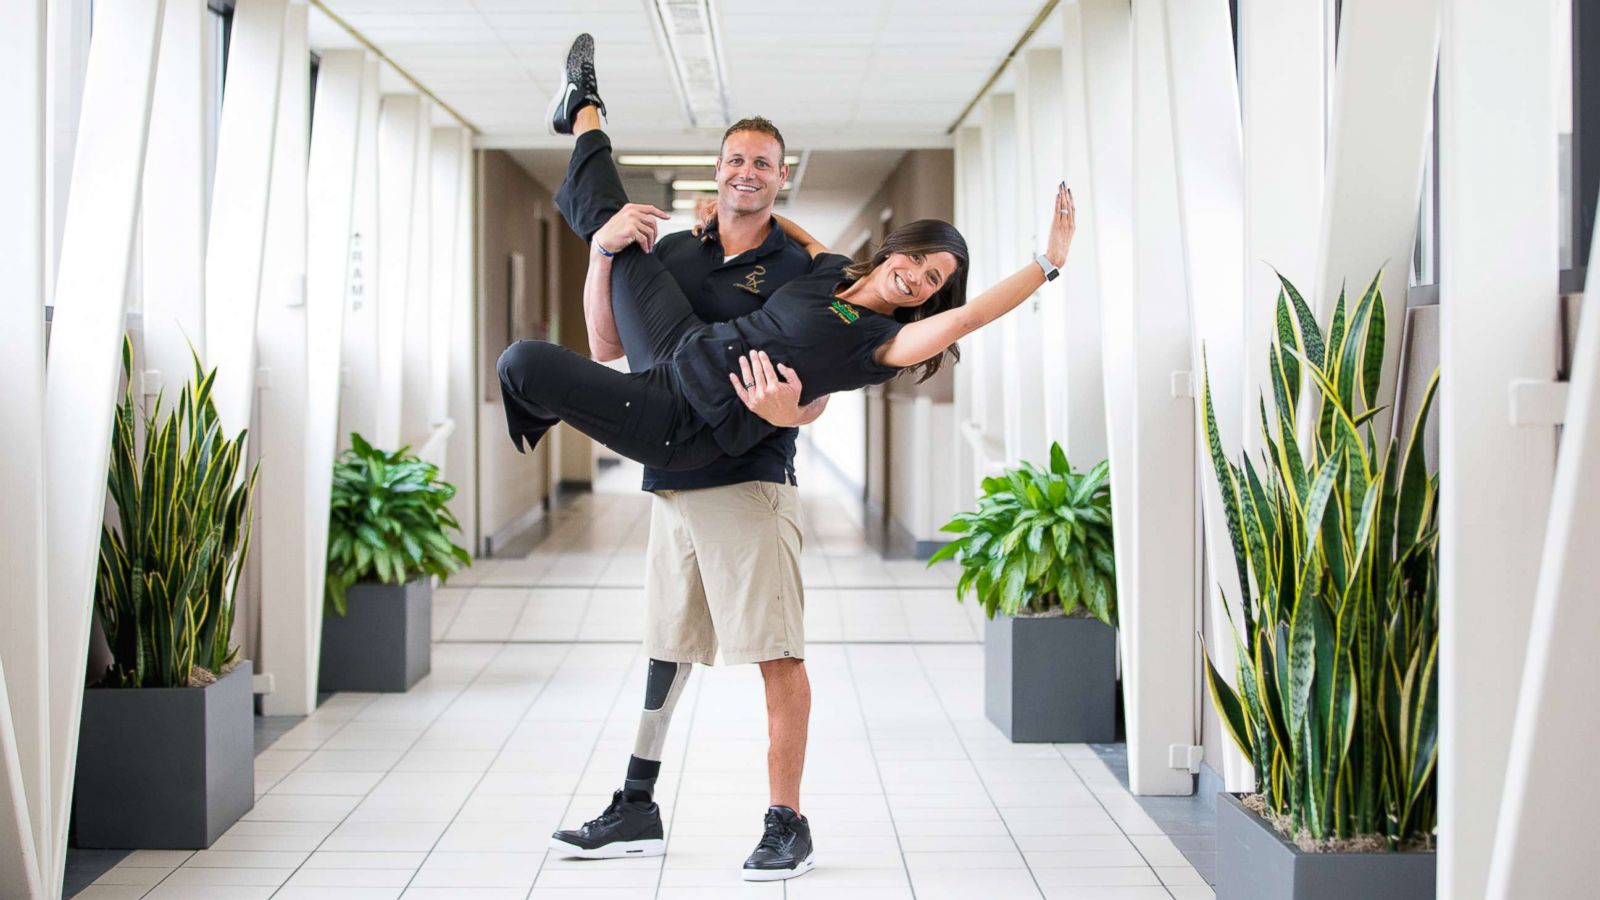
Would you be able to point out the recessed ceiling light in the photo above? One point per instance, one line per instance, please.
(678, 159)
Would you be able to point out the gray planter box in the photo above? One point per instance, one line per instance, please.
(1051, 679)
(1255, 863)
(385, 641)
(165, 768)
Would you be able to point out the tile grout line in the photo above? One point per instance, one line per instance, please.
(877, 769)
(368, 793)
(1120, 830)
(485, 773)
(967, 752)
(599, 736)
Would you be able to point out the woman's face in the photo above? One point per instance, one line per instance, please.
(909, 279)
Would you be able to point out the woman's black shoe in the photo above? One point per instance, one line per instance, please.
(578, 89)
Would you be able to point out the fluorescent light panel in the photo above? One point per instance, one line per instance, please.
(688, 29)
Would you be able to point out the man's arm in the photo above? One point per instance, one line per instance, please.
(635, 223)
(775, 400)
(604, 343)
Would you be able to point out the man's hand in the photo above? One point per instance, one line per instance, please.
(635, 223)
(775, 399)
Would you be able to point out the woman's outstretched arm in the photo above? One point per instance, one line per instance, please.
(928, 337)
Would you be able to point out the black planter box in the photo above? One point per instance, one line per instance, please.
(384, 641)
(1051, 679)
(1254, 862)
(165, 768)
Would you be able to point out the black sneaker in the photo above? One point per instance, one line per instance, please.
(785, 849)
(626, 828)
(578, 87)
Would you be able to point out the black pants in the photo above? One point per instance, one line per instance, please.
(643, 414)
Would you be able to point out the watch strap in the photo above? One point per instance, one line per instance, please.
(1049, 268)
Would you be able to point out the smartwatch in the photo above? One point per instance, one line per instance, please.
(1050, 269)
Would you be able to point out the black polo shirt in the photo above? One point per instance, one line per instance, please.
(719, 291)
(829, 343)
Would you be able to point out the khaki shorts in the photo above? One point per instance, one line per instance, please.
(723, 569)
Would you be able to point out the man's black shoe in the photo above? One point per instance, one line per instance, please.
(785, 849)
(578, 87)
(626, 828)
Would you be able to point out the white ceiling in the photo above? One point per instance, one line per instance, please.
(838, 76)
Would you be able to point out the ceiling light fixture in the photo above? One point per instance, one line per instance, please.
(682, 160)
(687, 30)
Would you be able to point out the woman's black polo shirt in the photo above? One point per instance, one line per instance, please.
(719, 291)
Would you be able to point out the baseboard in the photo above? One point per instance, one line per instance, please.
(514, 532)
(574, 486)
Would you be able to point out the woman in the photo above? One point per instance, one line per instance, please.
(842, 326)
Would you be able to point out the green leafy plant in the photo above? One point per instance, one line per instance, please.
(170, 567)
(1039, 541)
(388, 521)
(1336, 547)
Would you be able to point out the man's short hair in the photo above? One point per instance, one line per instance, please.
(760, 125)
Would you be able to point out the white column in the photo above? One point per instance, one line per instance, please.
(1041, 358)
(462, 359)
(237, 235)
(1283, 69)
(398, 129)
(1159, 616)
(1498, 212)
(1105, 230)
(1545, 828)
(173, 214)
(288, 615)
(1074, 319)
(968, 205)
(1000, 439)
(1203, 88)
(83, 367)
(330, 193)
(448, 150)
(415, 426)
(1383, 85)
(25, 832)
(359, 374)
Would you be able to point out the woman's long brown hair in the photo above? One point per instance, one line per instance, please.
(921, 238)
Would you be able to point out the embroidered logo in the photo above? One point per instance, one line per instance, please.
(752, 282)
(844, 311)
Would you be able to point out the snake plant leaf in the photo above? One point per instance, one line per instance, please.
(1414, 478)
(1228, 705)
(1287, 337)
(1372, 353)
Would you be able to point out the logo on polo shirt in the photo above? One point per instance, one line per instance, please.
(844, 311)
(752, 282)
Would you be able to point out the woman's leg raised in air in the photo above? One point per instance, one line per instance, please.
(649, 308)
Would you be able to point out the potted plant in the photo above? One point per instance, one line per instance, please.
(387, 538)
(166, 756)
(1337, 634)
(1038, 552)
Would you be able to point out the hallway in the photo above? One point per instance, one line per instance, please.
(450, 790)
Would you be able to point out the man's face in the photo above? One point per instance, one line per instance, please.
(749, 172)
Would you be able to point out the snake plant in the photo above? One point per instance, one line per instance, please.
(387, 521)
(169, 567)
(1039, 541)
(1336, 636)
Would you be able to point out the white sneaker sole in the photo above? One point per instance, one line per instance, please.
(613, 850)
(806, 865)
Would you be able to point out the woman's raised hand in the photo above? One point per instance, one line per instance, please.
(635, 223)
(1063, 224)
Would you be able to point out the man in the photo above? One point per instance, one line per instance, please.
(723, 564)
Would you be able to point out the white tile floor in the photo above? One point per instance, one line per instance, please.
(527, 720)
